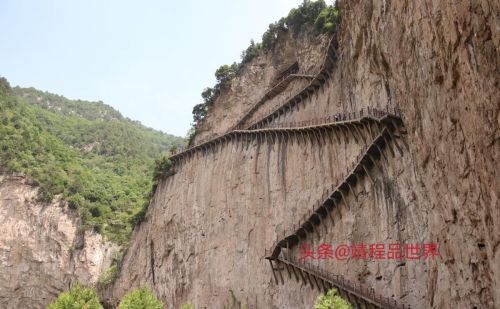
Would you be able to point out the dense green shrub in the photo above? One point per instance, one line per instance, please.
(304, 15)
(109, 276)
(102, 165)
(328, 19)
(271, 35)
(224, 74)
(252, 51)
(331, 300)
(140, 299)
(163, 168)
(77, 297)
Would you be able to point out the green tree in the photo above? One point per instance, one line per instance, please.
(140, 299)
(252, 51)
(225, 73)
(305, 14)
(331, 300)
(199, 112)
(208, 94)
(77, 297)
(327, 19)
(324, 18)
(101, 163)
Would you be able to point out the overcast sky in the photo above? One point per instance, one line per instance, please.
(149, 59)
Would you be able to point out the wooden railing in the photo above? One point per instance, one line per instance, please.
(292, 69)
(317, 80)
(339, 118)
(321, 211)
(356, 293)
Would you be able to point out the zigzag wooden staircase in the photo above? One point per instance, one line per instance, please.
(382, 126)
(358, 295)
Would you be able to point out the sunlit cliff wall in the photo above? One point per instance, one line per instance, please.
(208, 225)
(43, 249)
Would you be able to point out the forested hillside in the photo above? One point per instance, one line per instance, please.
(99, 161)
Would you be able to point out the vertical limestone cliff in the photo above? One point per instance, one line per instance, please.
(43, 250)
(208, 225)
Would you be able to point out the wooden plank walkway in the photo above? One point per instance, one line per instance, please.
(366, 161)
(357, 294)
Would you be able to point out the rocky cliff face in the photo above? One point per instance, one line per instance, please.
(42, 249)
(208, 225)
(248, 89)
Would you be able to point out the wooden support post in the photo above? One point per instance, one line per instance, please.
(388, 143)
(360, 134)
(316, 281)
(325, 285)
(330, 214)
(345, 132)
(329, 133)
(324, 132)
(320, 220)
(353, 192)
(307, 132)
(352, 133)
(314, 230)
(288, 271)
(335, 133)
(369, 127)
(368, 174)
(304, 282)
(374, 161)
(279, 271)
(316, 137)
(309, 279)
(395, 143)
(274, 273)
(382, 153)
(321, 138)
(344, 198)
(294, 273)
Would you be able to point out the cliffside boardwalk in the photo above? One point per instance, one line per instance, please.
(357, 294)
(381, 125)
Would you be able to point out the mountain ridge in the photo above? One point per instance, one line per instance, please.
(101, 162)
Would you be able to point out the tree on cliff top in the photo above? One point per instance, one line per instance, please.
(140, 299)
(77, 297)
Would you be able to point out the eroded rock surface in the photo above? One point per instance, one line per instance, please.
(42, 249)
(208, 225)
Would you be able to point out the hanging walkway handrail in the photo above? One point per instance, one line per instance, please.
(371, 114)
(364, 162)
(356, 293)
(334, 195)
(317, 81)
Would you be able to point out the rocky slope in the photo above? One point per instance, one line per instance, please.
(208, 225)
(42, 250)
(257, 79)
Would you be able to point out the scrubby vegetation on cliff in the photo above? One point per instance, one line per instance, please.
(140, 299)
(99, 161)
(315, 15)
(78, 297)
(331, 300)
